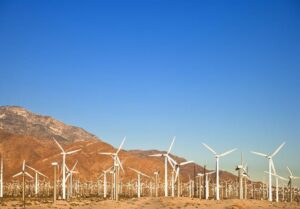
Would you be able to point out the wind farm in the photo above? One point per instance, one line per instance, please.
(150, 104)
(152, 177)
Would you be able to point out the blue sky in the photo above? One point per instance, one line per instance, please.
(222, 72)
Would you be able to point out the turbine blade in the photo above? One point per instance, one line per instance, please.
(276, 175)
(172, 160)
(185, 163)
(67, 168)
(109, 169)
(171, 163)
(36, 171)
(59, 145)
(121, 145)
(18, 174)
(68, 176)
(134, 170)
(120, 164)
(210, 172)
(105, 153)
(145, 175)
(27, 174)
(291, 174)
(23, 165)
(177, 173)
(170, 148)
(278, 149)
(74, 166)
(72, 152)
(156, 155)
(260, 154)
(209, 148)
(227, 153)
(296, 177)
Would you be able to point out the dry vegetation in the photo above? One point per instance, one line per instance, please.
(152, 203)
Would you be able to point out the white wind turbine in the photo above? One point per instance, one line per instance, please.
(176, 168)
(167, 158)
(36, 180)
(277, 176)
(291, 177)
(104, 174)
(206, 182)
(70, 174)
(139, 173)
(271, 166)
(217, 156)
(23, 173)
(117, 166)
(242, 170)
(64, 154)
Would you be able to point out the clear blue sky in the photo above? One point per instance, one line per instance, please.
(222, 72)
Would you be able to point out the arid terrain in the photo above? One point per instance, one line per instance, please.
(153, 203)
(32, 135)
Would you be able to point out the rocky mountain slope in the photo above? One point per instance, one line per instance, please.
(28, 136)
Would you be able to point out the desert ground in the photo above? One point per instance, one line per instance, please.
(151, 203)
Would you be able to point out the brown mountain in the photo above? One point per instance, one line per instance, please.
(28, 136)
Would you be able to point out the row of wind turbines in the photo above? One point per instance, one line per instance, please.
(114, 170)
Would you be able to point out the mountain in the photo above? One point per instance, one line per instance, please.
(28, 136)
(17, 120)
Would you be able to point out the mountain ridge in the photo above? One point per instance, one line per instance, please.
(34, 143)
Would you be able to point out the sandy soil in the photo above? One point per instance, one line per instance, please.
(153, 203)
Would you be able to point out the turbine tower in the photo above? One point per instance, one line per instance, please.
(176, 167)
(291, 177)
(64, 154)
(206, 182)
(167, 158)
(70, 174)
(23, 173)
(36, 180)
(218, 156)
(139, 173)
(241, 172)
(271, 166)
(104, 174)
(117, 165)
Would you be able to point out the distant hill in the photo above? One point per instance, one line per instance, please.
(28, 136)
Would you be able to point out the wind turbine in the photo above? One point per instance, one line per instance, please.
(277, 176)
(271, 166)
(23, 173)
(36, 180)
(176, 168)
(241, 172)
(206, 182)
(70, 174)
(156, 174)
(139, 173)
(167, 158)
(104, 174)
(117, 166)
(291, 177)
(218, 156)
(64, 154)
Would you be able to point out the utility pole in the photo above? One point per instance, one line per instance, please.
(54, 164)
